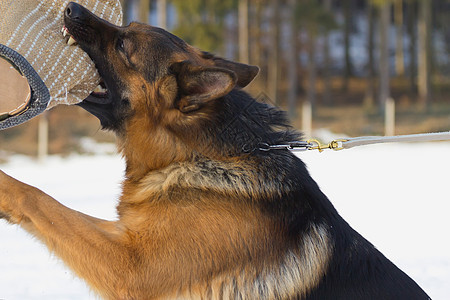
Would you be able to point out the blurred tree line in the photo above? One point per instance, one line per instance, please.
(344, 60)
(319, 50)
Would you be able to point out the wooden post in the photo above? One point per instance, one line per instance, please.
(389, 117)
(43, 137)
(307, 119)
(312, 68)
(162, 13)
(144, 11)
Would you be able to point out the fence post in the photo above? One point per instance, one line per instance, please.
(162, 13)
(43, 137)
(389, 117)
(307, 118)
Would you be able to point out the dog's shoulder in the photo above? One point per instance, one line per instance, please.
(242, 177)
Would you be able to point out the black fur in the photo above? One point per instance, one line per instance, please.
(239, 125)
(357, 269)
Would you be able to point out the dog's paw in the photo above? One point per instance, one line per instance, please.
(4, 216)
(11, 192)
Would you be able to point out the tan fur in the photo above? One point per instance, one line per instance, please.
(169, 249)
(296, 273)
(181, 233)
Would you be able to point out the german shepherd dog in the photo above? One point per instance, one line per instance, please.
(205, 213)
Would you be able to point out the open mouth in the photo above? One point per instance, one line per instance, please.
(70, 40)
(100, 93)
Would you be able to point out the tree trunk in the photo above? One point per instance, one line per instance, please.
(292, 59)
(327, 61)
(162, 13)
(412, 49)
(243, 31)
(424, 50)
(369, 99)
(256, 45)
(399, 54)
(384, 56)
(299, 45)
(312, 69)
(144, 11)
(273, 67)
(126, 11)
(347, 5)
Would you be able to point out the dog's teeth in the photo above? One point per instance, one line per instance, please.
(64, 31)
(71, 41)
(99, 89)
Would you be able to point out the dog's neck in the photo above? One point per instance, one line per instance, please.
(158, 150)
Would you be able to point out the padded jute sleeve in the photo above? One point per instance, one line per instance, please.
(33, 29)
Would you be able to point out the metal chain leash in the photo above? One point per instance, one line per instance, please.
(340, 144)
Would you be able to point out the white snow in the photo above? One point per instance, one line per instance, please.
(397, 196)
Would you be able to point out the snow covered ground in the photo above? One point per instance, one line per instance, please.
(397, 196)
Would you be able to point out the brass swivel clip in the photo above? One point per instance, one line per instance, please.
(335, 145)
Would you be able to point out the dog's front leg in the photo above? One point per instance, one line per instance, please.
(93, 248)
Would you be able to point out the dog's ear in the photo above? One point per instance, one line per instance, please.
(245, 73)
(199, 84)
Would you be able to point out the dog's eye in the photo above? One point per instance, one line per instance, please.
(121, 45)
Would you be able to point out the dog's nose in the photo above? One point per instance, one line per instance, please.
(74, 11)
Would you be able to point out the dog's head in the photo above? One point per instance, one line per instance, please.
(166, 100)
(146, 68)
